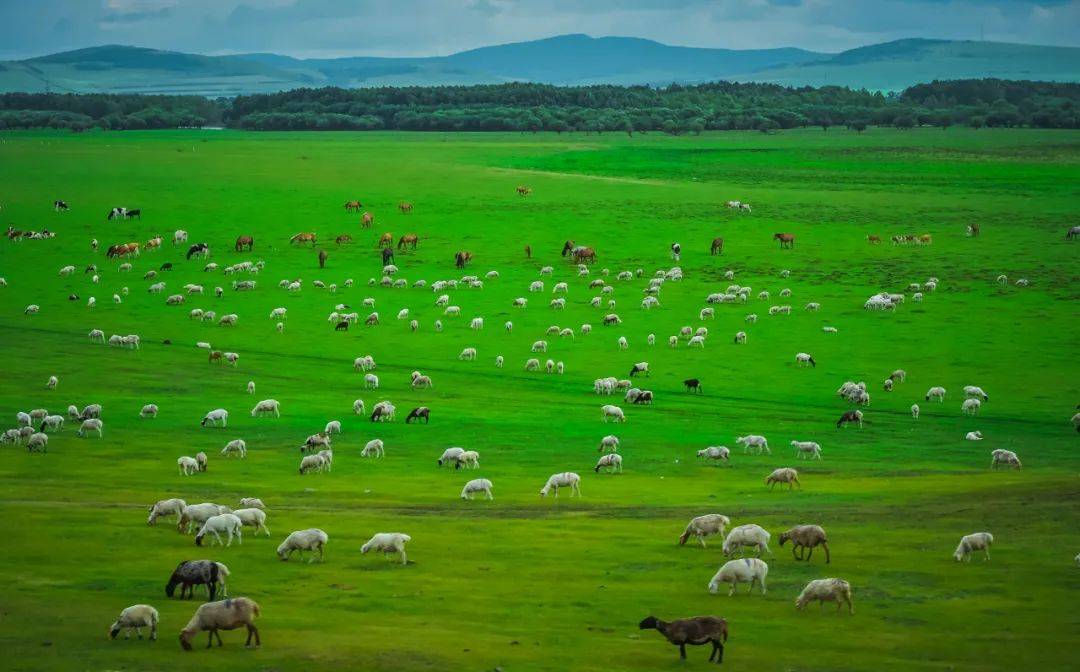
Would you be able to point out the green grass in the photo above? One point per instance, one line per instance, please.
(524, 583)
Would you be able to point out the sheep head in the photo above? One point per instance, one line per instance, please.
(784, 536)
(649, 623)
(185, 639)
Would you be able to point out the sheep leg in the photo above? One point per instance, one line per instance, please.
(809, 553)
(252, 630)
(682, 651)
(218, 634)
(153, 632)
(732, 591)
(210, 639)
(701, 539)
(762, 582)
(825, 545)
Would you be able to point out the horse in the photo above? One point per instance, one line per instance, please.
(418, 413)
(409, 239)
(167, 266)
(786, 240)
(523, 191)
(717, 246)
(353, 206)
(1073, 233)
(244, 241)
(405, 207)
(583, 255)
(198, 249)
(387, 255)
(567, 247)
(461, 259)
(322, 258)
(873, 240)
(301, 238)
(366, 219)
(386, 240)
(60, 205)
(343, 239)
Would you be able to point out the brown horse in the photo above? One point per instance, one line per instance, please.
(244, 241)
(523, 191)
(407, 241)
(343, 239)
(216, 356)
(366, 219)
(873, 240)
(323, 256)
(386, 240)
(353, 206)
(786, 240)
(301, 238)
(567, 247)
(717, 246)
(405, 207)
(583, 255)
(462, 258)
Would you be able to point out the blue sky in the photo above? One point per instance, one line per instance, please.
(433, 27)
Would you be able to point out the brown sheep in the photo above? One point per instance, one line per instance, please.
(694, 631)
(783, 475)
(227, 614)
(808, 537)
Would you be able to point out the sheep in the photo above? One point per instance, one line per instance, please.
(149, 411)
(829, 330)
(566, 479)
(560, 368)
(935, 394)
(747, 535)
(228, 614)
(373, 448)
(52, 382)
(612, 461)
(312, 463)
(266, 406)
(135, 618)
(532, 364)
(32, 309)
(365, 363)
(371, 381)
(848, 417)
(1006, 457)
(54, 422)
(810, 450)
(720, 453)
(743, 570)
(613, 412)
(251, 503)
(477, 485)
(979, 541)
(470, 459)
(312, 539)
(39, 414)
(383, 411)
(388, 542)
(200, 459)
(694, 631)
(783, 475)
(421, 382)
(91, 425)
(970, 406)
(97, 335)
(813, 306)
(754, 442)
(804, 359)
(327, 457)
(451, 456)
(229, 523)
(215, 416)
(187, 465)
(696, 341)
(165, 507)
(973, 436)
(586, 329)
(808, 537)
(333, 427)
(973, 391)
(253, 517)
(915, 411)
(740, 337)
(358, 407)
(38, 442)
(704, 526)
(193, 516)
(609, 442)
(826, 590)
(237, 446)
(499, 361)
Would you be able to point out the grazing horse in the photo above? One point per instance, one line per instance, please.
(198, 249)
(567, 247)
(167, 266)
(717, 246)
(343, 239)
(873, 240)
(366, 219)
(583, 255)
(244, 241)
(60, 205)
(386, 240)
(387, 255)
(461, 259)
(301, 238)
(323, 256)
(523, 191)
(353, 206)
(408, 240)
(405, 207)
(418, 413)
(849, 416)
(786, 240)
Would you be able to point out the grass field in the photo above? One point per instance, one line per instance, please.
(522, 583)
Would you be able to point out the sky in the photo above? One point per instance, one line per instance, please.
(329, 28)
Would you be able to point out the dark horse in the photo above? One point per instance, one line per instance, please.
(717, 246)
(461, 259)
(387, 256)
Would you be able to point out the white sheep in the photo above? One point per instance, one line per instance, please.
(38, 442)
(974, 391)
(747, 535)
(215, 416)
(312, 539)
(743, 570)
(253, 517)
(373, 448)
(266, 406)
(477, 485)
(566, 479)
(371, 381)
(783, 475)
(187, 465)
(704, 526)
(979, 541)
(826, 590)
(973, 436)
(810, 450)
(135, 617)
(719, 453)
(915, 411)
(936, 393)
(237, 446)
(91, 425)
(1006, 457)
(358, 407)
(609, 442)
(388, 542)
(333, 427)
(614, 413)
(251, 503)
(228, 523)
(314, 463)
(970, 406)
(612, 462)
(754, 442)
(165, 507)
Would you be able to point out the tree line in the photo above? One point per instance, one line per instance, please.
(525, 107)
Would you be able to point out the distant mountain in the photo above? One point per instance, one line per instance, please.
(563, 60)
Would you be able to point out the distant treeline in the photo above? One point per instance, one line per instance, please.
(538, 107)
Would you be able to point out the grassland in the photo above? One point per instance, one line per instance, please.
(523, 583)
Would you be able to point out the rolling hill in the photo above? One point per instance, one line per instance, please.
(562, 60)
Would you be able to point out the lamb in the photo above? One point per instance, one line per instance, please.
(165, 507)
(312, 539)
(200, 459)
(135, 618)
(754, 442)
(935, 394)
(722, 453)
(91, 425)
(149, 411)
(253, 517)
(704, 526)
(468, 355)
(803, 359)
(747, 535)
(743, 570)
(388, 542)
(613, 412)
(915, 411)
(238, 446)
(228, 523)
(187, 465)
(1006, 457)
(808, 537)
(979, 541)
(611, 461)
(783, 475)
(266, 406)
(694, 631)
(333, 427)
(973, 436)
(252, 503)
(228, 614)
(566, 479)
(371, 381)
(373, 448)
(477, 485)
(826, 590)
(609, 442)
(810, 450)
(215, 416)
(358, 407)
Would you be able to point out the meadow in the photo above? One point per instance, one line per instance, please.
(524, 583)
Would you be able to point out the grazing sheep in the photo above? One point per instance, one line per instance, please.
(477, 485)
(810, 450)
(228, 523)
(200, 459)
(915, 411)
(826, 590)
(704, 526)
(499, 361)
(215, 416)
(165, 507)
(783, 475)
(1006, 457)
(187, 465)
(753, 443)
(149, 411)
(970, 406)
(91, 425)
(808, 537)
(228, 614)
(312, 539)
(829, 330)
(742, 570)
(747, 535)
(888, 385)
(52, 382)
(135, 618)
(314, 463)
(609, 442)
(935, 394)
(468, 355)
(333, 427)
(611, 461)
(979, 541)
(266, 406)
(804, 359)
(373, 448)
(848, 417)
(251, 503)
(613, 412)
(38, 442)
(388, 542)
(54, 422)
(358, 407)
(566, 479)
(973, 391)
(371, 381)
(237, 446)
(694, 631)
(451, 456)
(253, 517)
(721, 453)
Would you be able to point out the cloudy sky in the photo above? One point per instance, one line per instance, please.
(307, 28)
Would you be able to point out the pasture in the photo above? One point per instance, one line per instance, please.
(520, 582)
